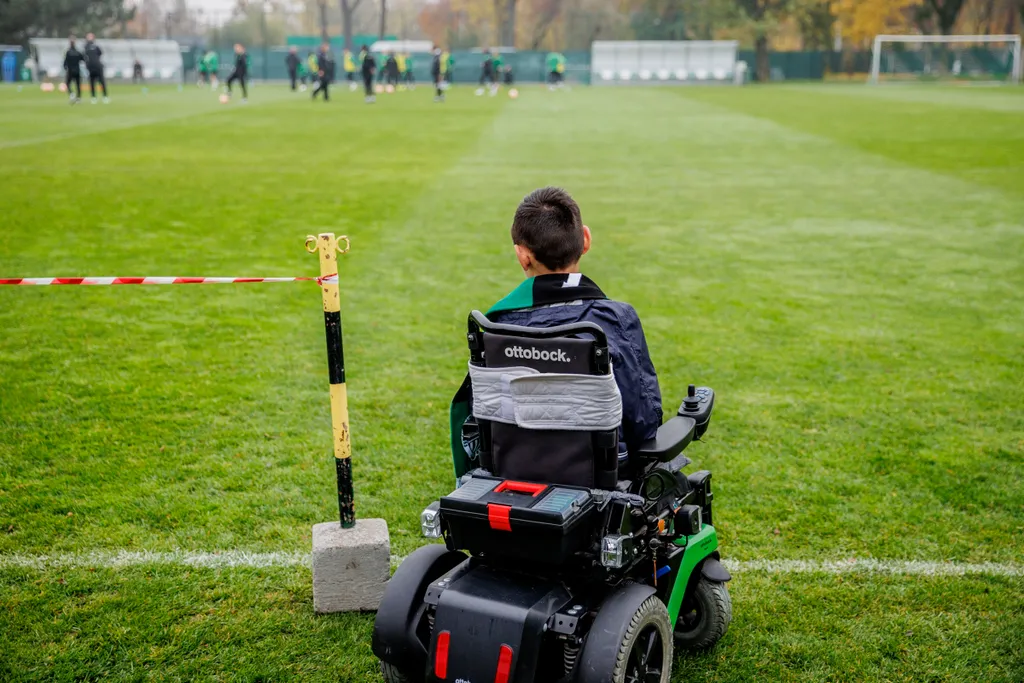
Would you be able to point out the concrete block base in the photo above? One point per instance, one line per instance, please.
(350, 566)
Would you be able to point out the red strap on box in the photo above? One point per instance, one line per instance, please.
(520, 487)
(498, 516)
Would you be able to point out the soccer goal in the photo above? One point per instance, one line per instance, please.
(943, 58)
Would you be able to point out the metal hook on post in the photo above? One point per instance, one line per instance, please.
(327, 246)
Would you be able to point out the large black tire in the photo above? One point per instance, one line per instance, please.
(630, 640)
(392, 675)
(708, 620)
(400, 631)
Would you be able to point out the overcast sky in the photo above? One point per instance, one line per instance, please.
(212, 5)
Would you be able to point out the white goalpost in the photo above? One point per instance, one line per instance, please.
(992, 58)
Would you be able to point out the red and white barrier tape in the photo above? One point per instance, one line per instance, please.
(35, 281)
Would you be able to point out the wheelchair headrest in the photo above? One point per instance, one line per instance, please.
(577, 348)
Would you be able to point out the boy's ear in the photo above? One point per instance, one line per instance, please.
(586, 239)
(525, 257)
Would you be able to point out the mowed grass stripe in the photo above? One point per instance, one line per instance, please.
(66, 122)
(978, 133)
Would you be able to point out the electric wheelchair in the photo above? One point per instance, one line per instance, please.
(561, 562)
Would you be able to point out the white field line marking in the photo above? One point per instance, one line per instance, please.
(870, 566)
(178, 558)
(242, 558)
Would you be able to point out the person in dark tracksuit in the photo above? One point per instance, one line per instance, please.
(292, 63)
(391, 69)
(487, 79)
(94, 64)
(325, 73)
(240, 72)
(437, 74)
(73, 60)
(369, 68)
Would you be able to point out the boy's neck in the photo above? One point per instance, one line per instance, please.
(535, 271)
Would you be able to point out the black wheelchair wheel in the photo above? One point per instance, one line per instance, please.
(630, 640)
(707, 619)
(401, 631)
(393, 675)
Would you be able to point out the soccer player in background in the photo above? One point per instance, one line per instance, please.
(292, 62)
(349, 65)
(201, 75)
(240, 72)
(137, 72)
(312, 67)
(498, 65)
(407, 75)
(449, 67)
(486, 73)
(212, 61)
(368, 69)
(73, 60)
(437, 74)
(400, 64)
(325, 73)
(445, 75)
(94, 64)
(391, 67)
(552, 64)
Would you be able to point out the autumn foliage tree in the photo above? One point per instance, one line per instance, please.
(861, 20)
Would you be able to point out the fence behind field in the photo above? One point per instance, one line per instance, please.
(163, 57)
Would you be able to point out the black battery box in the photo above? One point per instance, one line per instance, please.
(537, 522)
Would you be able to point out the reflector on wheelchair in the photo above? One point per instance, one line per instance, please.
(538, 521)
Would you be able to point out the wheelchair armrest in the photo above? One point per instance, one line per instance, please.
(671, 439)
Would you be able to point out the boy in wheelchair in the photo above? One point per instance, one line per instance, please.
(589, 553)
(550, 239)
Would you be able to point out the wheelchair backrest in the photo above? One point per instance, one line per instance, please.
(546, 402)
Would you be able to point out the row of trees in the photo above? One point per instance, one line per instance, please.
(23, 19)
(785, 24)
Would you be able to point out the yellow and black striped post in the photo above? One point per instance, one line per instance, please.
(327, 246)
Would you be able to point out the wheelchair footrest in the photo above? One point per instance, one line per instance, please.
(540, 522)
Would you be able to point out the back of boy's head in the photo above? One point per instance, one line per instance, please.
(548, 223)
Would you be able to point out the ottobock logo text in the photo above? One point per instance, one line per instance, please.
(556, 356)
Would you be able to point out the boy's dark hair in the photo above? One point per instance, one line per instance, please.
(548, 223)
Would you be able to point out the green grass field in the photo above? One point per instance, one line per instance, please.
(842, 263)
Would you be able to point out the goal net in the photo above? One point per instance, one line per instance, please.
(944, 58)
